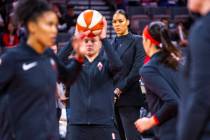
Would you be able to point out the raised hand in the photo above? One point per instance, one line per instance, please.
(104, 30)
(78, 45)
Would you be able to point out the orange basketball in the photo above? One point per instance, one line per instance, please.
(90, 20)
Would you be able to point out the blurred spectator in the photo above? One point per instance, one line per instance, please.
(56, 9)
(22, 33)
(10, 38)
(120, 4)
(70, 18)
(149, 3)
(183, 28)
(165, 20)
(168, 3)
(133, 2)
(182, 34)
(182, 2)
(61, 104)
(172, 28)
(112, 4)
(1, 31)
(1, 24)
(14, 4)
(62, 25)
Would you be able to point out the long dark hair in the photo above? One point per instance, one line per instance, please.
(171, 55)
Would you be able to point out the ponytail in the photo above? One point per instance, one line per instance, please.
(171, 54)
(158, 34)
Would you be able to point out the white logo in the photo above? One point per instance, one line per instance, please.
(52, 62)
(29, 66)
(0, 61)
(113, 136)
(100, 66)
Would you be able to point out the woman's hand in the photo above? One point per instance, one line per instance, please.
(117, 92)
(145, 124)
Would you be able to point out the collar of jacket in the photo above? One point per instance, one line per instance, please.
(99, 57)
(29, 49)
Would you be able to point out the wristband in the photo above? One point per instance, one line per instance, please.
(79, 59)
(155, 120)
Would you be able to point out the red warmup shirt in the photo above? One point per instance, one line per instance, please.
(10, 41)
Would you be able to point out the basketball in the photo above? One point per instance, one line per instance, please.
(90, 20)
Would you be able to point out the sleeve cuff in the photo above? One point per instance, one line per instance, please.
(155, 120)
(121, 85)
(104, 41)
(79, 59)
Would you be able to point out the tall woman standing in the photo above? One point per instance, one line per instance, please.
(131, 52)
(160, 78)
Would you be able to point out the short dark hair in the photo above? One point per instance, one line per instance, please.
(30, 10)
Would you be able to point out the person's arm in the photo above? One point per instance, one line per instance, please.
(72, 71)
(64, 52)
(133, 75)
(159, 86)
(66, 73)
(69, 73)
(6, 71)
(115, 64)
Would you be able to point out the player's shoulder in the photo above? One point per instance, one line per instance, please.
(137, 37)
(11, 54)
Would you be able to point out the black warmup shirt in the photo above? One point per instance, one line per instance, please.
(29, 79)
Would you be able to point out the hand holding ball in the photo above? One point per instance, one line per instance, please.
(90, 20)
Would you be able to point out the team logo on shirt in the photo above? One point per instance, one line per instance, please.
(113, 136)
(100, 66)
(29, 66)
(52, 62)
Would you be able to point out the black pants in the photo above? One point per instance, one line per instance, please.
(91, 132)
(128, 116)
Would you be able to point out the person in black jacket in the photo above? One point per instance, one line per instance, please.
(130, 50)
(92, 94)
(29, 75)
(160, 77)
(194, 120)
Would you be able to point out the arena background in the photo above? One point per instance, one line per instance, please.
(141, 12)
